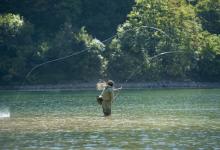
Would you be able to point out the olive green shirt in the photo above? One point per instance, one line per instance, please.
(107, 94)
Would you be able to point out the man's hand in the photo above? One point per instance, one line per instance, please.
(99, 99)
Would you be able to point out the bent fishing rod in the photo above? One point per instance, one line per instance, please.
(139, 67)
(87, 49)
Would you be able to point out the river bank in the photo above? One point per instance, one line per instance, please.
(92, 86)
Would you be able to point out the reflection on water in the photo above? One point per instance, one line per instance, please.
(153, 119)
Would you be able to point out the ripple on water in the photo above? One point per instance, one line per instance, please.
(142, 120)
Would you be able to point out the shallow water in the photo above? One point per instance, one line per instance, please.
(141, 119)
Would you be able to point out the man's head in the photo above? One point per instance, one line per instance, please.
(110, 82)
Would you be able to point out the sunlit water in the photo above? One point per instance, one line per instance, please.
(141, 119)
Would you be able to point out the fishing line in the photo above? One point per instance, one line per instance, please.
(50, 61)
(54, 60)
(85, 50)
(139, 67)
(154, 28)
(150, 59)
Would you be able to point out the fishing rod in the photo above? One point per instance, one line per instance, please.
(150, 59)
(139, 67)
(164, 53)
(87, 49)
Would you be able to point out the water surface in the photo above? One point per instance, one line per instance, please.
(141, 119)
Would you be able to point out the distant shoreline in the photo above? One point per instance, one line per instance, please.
(92, 86)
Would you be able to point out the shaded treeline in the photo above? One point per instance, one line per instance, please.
(33, 32)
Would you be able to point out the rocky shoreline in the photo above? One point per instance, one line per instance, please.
(92, 86)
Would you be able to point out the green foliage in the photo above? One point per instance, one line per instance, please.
(154, 27)
(11, 23)
(34, 32)
(46, 30)
(209, 13)
(101, 17)
(89, 63)
(208, 61)
(92, 64)
(15, 47)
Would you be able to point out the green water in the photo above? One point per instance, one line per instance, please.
(141, 119)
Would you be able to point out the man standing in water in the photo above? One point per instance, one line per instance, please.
(106, 98)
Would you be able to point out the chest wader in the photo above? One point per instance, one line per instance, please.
(106, 100)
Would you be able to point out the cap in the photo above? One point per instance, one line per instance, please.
(110, 82)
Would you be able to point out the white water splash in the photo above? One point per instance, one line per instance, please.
(4, 112)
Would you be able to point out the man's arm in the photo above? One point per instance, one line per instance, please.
(117, 89)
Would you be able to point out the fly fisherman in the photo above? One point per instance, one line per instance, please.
(106, 98)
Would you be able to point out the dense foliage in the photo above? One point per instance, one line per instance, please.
(155, 27)
(34, 32)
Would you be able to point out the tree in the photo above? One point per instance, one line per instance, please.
(47, 16)
(154, 27)
(101, 18)
(54, 26)
(208, 59)
(209, 13)
(85, 66)
(16, 47)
